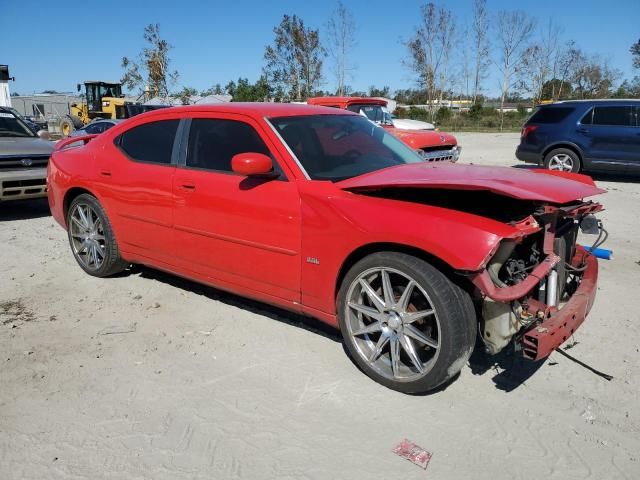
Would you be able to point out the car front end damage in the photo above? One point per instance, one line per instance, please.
(539, 286)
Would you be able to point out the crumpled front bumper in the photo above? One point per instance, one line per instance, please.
(559, 325)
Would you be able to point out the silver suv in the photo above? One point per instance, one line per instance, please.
(23, 159)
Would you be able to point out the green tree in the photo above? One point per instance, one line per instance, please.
(151, 69)
(294, 61)
(383, 92)
(244, 91)
(185, 95)
(215, 90)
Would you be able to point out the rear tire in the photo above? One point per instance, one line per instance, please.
(562, 159)
(91, 238)
(393, 338)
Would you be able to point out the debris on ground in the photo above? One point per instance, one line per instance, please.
(14, 310)
(118, 329)
(413, 453)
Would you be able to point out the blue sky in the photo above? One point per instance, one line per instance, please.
(50, 47)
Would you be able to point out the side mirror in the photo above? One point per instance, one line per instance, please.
(44, 135)
(251, 164)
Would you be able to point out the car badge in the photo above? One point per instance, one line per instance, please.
(443, 139)
(26, 162)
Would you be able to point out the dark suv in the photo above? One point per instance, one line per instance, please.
(593, 135)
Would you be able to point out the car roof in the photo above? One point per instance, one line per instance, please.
(255, 109)
(346, 100)
(612, 101)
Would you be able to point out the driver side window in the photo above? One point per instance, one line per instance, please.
(214, 142)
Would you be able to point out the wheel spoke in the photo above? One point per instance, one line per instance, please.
(97, 236)
(373, 296)
(78, 224)
(83, 247)
(382, 341)
(368, 311)
(83, 217)
(99, 252)
(409, 348)
(371, 328)
(387, 289)
(416, 334)
(395, 357)
(403, 303)
(413, 316)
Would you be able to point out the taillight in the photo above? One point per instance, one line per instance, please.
(527, 129)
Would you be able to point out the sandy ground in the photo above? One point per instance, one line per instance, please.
(149, 376)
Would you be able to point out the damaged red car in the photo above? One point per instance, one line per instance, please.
(321, 212)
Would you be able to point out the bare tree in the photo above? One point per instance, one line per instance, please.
(635, 54)
(294, 61)
(592, 77)
(430, 50)
(341, 40)
(152, 67)
(566, 57)
(480, 29)
(513, 31)
(540, 61)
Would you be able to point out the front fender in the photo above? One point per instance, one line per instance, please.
(336, 223)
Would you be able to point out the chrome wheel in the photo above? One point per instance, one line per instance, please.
(393, 324)
(561, 162)
(87, 236)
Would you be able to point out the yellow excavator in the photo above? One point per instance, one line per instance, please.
(102, 100)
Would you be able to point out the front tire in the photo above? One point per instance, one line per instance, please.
(404, 323)
(91, 238)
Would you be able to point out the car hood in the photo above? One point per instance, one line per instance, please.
(409, 124)
(12, 146)
(537, 185)
(423, 138)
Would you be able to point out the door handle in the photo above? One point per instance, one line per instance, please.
(188, 187)
(583, 130)
(105, 173)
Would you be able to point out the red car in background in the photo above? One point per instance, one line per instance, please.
(432, 146)
(320, 211)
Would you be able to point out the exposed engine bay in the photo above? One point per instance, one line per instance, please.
(530, 278)
(518, 263)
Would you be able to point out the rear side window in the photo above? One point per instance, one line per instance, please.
(550, 115)
(151, 142)
(214, 142)
(614, 116)
(588, 118)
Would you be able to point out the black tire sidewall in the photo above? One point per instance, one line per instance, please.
(112, 263)
(577, 165)
(455, 311)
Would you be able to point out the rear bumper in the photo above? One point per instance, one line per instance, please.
(23, 184)
(559, 325)
(528, 156)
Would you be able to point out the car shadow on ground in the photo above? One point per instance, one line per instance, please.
(24, 209)
(253, 306)
(511, 369)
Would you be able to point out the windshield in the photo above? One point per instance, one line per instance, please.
(11, 126)
(375, 113)
(336, 147)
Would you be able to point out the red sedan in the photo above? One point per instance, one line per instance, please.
(321, 212)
